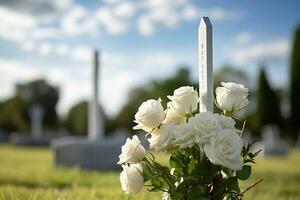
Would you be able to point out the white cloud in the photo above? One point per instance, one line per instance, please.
(261, 52)
(170, 13)
(62, 4)
(164, 3)
(190, 12)
(125, 9)
(79, 21)
(14, 19)
(113, 17)
(14, 26)
(62, 49)
(243, 38)
(45, 33)
(110, 21)
(81, 53)
(45, 48)
(111, 1)
(145, 25)
(28, 45)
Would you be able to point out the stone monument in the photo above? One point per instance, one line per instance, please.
(94, 151)
(36, 118)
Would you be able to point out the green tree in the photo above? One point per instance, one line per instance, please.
(268, 104)
(14, 116)
(77, 120)
(295, 86)
(41, 92)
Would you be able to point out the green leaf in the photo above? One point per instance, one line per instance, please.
(203, 169)
(232, 184)
(158, 182)
(194, 168)
(196, 193)
(219, 186)
(153, 189)
(176, 195)
(147, 172)
(176, 163)
(244, 173)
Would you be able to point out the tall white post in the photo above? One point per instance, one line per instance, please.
(95, 128)
(205, 65)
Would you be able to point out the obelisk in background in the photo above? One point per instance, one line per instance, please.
(95, 124)
(205, 65)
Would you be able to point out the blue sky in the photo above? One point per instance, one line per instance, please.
(139, 40)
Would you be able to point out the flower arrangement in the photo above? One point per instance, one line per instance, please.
(207, 156)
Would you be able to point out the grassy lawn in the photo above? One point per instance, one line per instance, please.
(29, 173)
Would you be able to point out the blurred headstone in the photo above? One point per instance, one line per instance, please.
(94, 151)
(36, 136)
(3, 137)
(273, 145)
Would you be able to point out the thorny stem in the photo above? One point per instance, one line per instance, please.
(250, 187)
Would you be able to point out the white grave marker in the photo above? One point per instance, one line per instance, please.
(205, 65)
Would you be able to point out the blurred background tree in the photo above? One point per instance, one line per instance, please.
(42, 93)
(15, 113)
(14, 116)
(76, 121)
(268, 105)
(295, 87)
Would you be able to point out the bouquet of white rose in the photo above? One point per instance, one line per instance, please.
(207, 155)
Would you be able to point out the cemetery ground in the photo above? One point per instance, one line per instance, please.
(29, 173)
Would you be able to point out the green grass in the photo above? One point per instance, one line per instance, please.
(29, 173)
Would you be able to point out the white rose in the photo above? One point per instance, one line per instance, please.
(161, 138)
(184, 136)
(232, 97)
(185, 100)
(172, 116)
(132, 151)
(225, 149)
(150, 115)
(204, 125)
(131, 178)
(226, 122)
